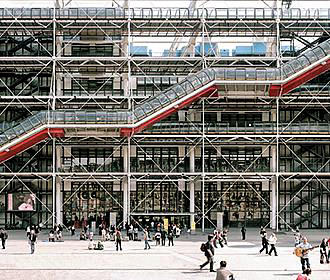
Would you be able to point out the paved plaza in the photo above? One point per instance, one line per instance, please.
(72, 260)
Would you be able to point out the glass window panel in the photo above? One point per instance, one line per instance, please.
(179, 90)
(91, 117)
(261, 75)
(220, 73)
(171, 94)
(287, 69)
(319, 52)
(326, 46)
(295, 65)
(271, 74)
(311, 56)
(101, 116)
(303, 61)
(147, 108)
(251, 74)
(154, 102)
(112, 117)
(10, 133)
(211, 73)
(230, 74)
(138, 112)
(122, 116)
(240, 74)
(196, 83)
(203, 77)
(27, 124)
(19, 130)
(34, 120)
(187, 86)
(163, 99)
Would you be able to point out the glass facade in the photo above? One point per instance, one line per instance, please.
(219, 152)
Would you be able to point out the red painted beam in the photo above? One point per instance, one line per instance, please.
(29, 142)
(126, 132)
(277, 90)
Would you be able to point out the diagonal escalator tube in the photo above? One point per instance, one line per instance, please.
(310, 64)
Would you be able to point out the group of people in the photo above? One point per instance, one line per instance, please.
(222, 273)
(220, 236)
(265, 241)
(56, 233)
(32, 236)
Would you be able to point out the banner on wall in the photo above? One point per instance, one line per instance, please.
(166, 224)
(113, 218)
(21, 202)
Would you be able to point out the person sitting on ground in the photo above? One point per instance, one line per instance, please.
(99, 246)
(51, 237)
(305, 274)
(223, 273)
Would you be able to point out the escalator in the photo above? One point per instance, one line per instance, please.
(272, 81)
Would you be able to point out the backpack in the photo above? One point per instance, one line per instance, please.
(203, 247)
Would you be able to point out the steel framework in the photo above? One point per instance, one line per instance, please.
(239, 154)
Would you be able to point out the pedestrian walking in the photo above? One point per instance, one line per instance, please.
(118, 239)
(225, 236)
(243, 231)
(157, 238)
(208, 250)
(272, 242)
(32, 240)
(146, 239)
(163, 237)
(136, 233)
(323, 251)
(264, 241)
(3, 237)
(170, 237)
(72, 230)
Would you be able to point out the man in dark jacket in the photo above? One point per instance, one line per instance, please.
(264, 241)
(209, 253)
(163, 236)
(3, 237)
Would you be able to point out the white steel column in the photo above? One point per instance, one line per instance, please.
(58, 196)
(125, 185)
(273, 187)
(192, 188)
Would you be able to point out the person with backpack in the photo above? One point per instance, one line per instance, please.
(208, 250)
(32, 240)
(3, 237)
(118, 239)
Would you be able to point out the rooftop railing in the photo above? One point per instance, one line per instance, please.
(160, 13)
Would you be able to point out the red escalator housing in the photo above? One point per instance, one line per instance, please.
(31, 141)
(277, 90)
(126, 132)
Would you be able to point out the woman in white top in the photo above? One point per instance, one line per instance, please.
(272, 242)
